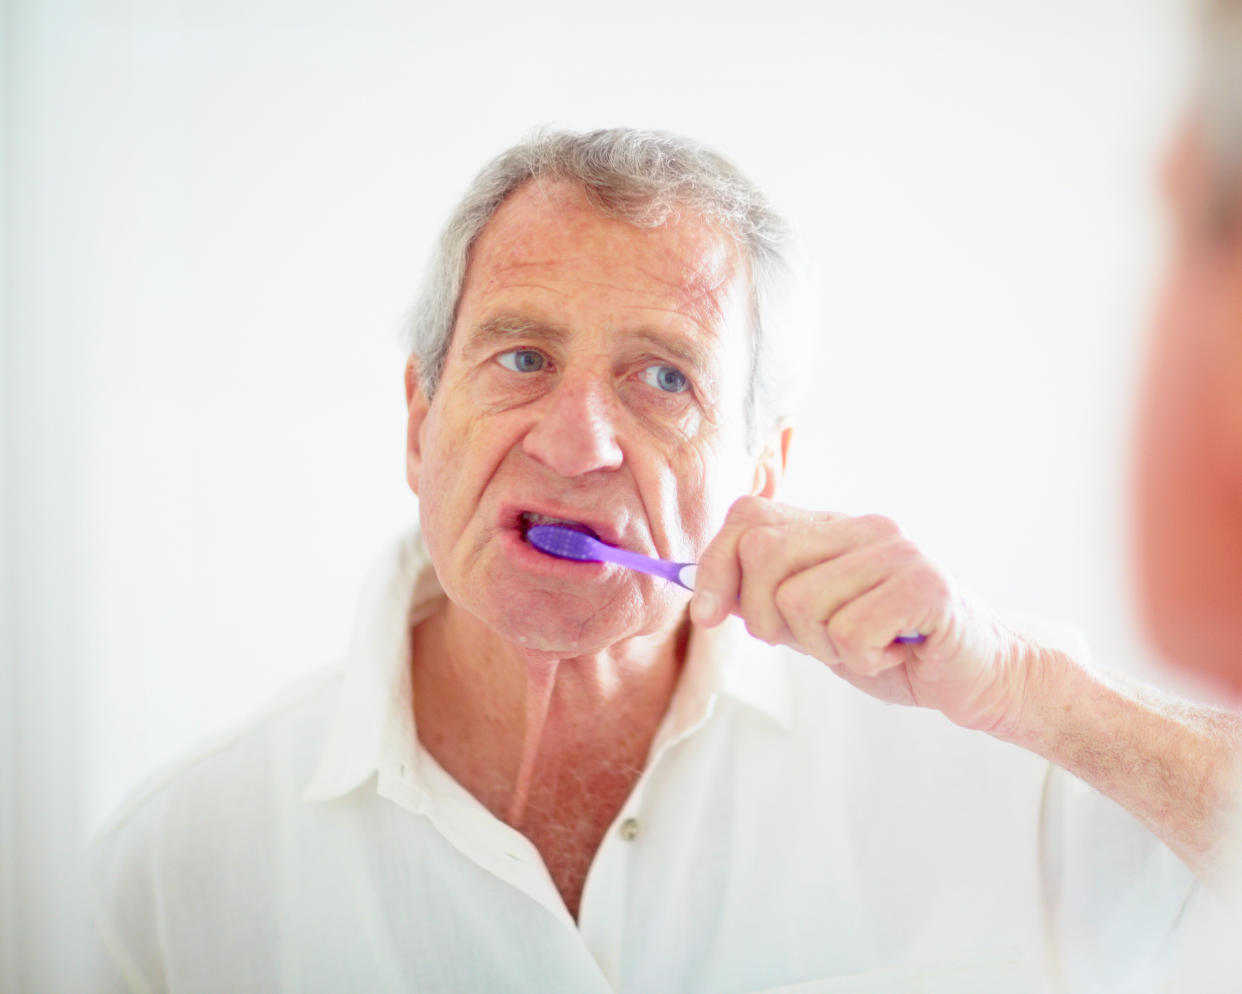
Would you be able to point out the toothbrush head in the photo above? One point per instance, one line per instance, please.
(565, 543)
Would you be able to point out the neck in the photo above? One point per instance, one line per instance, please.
(509, 723)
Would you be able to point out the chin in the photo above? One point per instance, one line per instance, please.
(572, 624)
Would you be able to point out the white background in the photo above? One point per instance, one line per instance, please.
(216, 214)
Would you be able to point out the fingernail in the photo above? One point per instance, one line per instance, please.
(703, 607)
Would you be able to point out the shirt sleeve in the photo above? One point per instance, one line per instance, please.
(125, 953)
(1114, 895)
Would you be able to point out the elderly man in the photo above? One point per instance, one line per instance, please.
(546, 774)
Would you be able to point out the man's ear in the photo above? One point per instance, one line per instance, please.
(416, 404)
(773, 461)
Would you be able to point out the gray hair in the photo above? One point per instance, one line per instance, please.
(645, 178)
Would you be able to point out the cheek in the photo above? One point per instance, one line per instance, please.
(431, 475)
(434, 497)
(671, 420)
(698, 497)
(708, 477)
(458, 459)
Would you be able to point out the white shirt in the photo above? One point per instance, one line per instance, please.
(788, 833)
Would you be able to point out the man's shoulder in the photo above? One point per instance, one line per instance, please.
(194, 847)
(243, 770)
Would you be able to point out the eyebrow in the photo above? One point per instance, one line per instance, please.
(687, 350)
(505, 328)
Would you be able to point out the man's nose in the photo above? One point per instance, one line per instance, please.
(576, 431)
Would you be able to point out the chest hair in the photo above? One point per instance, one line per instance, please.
(571, 808)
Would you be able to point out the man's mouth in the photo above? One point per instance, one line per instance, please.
(528, 519)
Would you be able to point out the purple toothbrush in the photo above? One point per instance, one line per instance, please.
(566, 543)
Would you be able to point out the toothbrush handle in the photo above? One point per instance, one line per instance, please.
(662, 568)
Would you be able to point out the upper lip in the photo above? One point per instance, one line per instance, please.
(606, 531)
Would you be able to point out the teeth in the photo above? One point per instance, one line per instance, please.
(543, 519)
(530, 519)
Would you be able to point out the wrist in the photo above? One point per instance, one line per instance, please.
(1038, 674)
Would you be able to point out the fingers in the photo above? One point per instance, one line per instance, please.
(912, 596)
(841, 609)
(718, 585)
(772, 556)
(841, 589)
(835, 587)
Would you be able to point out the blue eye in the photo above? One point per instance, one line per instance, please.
(521, 360)
(665, 378)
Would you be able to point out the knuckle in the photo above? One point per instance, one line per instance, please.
(882, 526)
(748, 550)
(871, 663)
(792, 602)
(931, 583)
(846, 637)
(939, 586)
(748, 508)
(755, 547)
(857, 657)
(761, 629)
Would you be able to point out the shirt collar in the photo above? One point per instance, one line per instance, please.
(373, 725)
(375, 703)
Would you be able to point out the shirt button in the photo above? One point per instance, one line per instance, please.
(629, 829)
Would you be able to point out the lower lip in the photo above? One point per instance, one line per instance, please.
(532, 559)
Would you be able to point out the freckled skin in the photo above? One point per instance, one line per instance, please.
(586, 430)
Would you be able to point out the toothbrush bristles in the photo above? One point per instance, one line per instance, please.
(564, 543)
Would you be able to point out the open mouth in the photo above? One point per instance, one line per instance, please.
(528, 519)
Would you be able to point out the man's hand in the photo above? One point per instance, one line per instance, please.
(842, 589)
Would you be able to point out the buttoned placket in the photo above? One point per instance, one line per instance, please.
(601, 912)
(422, 786)
(605, 896)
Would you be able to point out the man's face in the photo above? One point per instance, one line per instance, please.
(597, 375)
(1188, 486)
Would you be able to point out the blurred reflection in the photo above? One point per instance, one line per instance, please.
(1189, 473)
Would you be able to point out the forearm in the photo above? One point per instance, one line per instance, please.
(1172, 764)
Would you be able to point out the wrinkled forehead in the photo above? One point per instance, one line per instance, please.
(549, 226)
